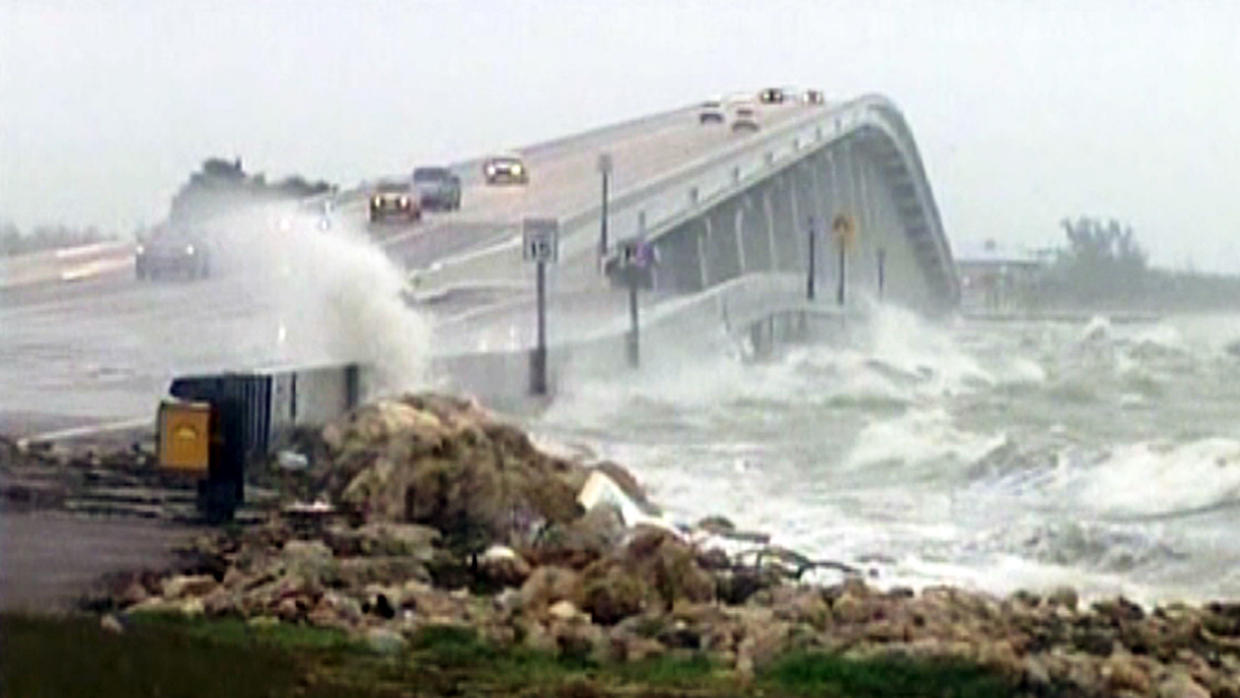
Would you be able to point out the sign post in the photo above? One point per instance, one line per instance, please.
(604, 168)
(809, 281)
(882, 271)
(540, 245)
(637, 258)
(845, 230)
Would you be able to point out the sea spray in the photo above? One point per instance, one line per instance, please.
(332, 294)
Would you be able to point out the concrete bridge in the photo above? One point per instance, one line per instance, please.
(732, 232)
(727, 212)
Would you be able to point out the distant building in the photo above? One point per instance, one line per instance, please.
(999, 277)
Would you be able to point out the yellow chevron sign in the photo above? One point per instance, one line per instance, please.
(845, 229)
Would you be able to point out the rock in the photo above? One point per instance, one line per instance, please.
(763, 640)
(614, 592)
(502, 566)
(582, 541)
(801, 605)
(851, 608)
(311, 561)
(576, 637)
(384, 538)
(639, 649)
(385, 641)
(1063, 597)
(357, 572)
(535, 636)
(667, 566)
(110, 624)
(263, 622)
(738, 586)
(180, 586)
(455, 469)
(133, 593)
(1122, 672)
(549, 584)
(221, 602)
(188, 608)
(289, 609)
(564, 611)
(1119, 610)
(1181, 686)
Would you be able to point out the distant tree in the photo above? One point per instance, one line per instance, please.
(1102, 262)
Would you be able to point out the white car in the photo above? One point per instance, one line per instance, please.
(711, 112)
(744, 117)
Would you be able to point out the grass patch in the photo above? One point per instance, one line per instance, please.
(830, 675)
(58, 657)
(44, 656)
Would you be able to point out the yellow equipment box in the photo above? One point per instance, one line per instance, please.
(184, 437)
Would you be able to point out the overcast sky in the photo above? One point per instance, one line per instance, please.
(1024, 111)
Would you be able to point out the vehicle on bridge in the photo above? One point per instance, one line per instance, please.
(173, 251)
(438, 188)
(505, 169)
(394, 200)
(711, 112)
(744, 118)
(772, 95)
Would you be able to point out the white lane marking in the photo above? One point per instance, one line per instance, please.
(95, 268)
(61, 434)
(87, 250)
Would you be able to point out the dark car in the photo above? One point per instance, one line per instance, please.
(438, 187)
(505, 169)
(174, 252)
(394, 200)
(772, 95)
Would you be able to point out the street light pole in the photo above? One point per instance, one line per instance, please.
(604, 168)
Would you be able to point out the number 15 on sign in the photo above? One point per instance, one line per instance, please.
(540, 240)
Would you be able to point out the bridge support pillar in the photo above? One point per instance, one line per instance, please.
(769, 217)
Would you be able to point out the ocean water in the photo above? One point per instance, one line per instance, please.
(996, 456)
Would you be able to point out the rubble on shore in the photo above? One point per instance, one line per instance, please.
(433, 512)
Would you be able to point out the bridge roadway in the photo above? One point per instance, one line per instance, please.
(105, 347)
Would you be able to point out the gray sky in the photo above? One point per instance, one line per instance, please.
(1024, 111)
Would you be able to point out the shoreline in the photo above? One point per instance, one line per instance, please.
(443, 515)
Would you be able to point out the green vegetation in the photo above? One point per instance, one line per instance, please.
(833, 676)
(154, 656)
(1102, 265)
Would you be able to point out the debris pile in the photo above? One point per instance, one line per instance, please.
(436, 513)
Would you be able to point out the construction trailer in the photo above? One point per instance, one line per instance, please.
(214, 427)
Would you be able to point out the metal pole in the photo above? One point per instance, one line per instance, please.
(538, 371)
(839, 293)
(809, 282)
(633, 346)
(602, 234)
(882, 264)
